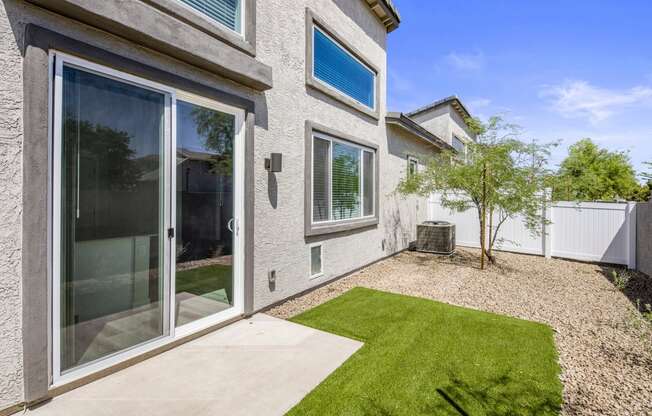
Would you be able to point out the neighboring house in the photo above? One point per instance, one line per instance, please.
(138, 208)
(447, 119)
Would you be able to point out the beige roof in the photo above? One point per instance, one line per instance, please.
(453, 100)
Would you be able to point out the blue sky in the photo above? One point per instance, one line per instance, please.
(562, 69)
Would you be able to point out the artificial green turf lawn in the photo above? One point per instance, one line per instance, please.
(428, 358)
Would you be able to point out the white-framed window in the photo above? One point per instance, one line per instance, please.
(343, 180)
(413, 166)
(460, 147)
(228, 13)
(316, 260)
(334, 65)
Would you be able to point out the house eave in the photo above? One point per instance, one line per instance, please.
(404, 122)
(454, 101)
(386, 12)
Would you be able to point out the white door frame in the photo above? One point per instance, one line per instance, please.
(170, 334)
(238, 215)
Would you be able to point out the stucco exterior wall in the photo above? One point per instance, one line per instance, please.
(644, 237)
(402, 213)
(437, 121)
(11, 93)
(279, 235)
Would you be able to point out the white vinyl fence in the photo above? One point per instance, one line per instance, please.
(588, 231)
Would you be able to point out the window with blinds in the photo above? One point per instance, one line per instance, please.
(342, 180)
(225, 12)
(335, 66)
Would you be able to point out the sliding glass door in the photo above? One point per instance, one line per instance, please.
(145, 215)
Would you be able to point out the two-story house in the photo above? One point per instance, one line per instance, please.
(169, 166)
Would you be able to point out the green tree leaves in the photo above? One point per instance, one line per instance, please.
(591, 173)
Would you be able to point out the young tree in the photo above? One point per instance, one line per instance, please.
(590, 173)
(502, 177)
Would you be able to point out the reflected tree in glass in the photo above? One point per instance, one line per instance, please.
(217, 129)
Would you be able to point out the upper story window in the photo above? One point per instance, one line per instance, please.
(337, 67)
(229, 13)
(460, 147)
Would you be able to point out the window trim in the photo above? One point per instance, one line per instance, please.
(333, 226)
(315, 22)
(321, 252)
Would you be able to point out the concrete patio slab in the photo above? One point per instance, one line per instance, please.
(259, 366)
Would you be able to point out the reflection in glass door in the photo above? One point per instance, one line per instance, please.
(204, 212)
(112, 141)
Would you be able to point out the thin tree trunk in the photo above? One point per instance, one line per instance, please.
(491, 239)
(483, 216)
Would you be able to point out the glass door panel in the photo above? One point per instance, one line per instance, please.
(112, 213)
(204, 212)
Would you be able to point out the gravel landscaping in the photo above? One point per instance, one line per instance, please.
(604, 343)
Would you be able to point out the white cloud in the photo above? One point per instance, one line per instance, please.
(580, 99)
(466, 61)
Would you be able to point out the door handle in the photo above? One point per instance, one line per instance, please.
(229, 224)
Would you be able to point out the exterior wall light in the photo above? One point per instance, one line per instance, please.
(274, 163)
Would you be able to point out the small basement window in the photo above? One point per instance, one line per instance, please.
(316, 267)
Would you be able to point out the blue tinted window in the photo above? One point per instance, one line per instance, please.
(226, 12)
(339, 69)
